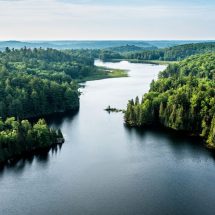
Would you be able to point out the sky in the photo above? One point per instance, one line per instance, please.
(107, 19)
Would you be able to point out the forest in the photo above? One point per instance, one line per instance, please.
(18, 138)
(183, 99)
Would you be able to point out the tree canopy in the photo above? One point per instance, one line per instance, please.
(36, 82)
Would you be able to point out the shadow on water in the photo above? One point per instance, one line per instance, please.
(41, 157)
(177, 142)
(57, 119)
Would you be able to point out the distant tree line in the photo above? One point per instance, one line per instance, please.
(120, 52)
(175, 53)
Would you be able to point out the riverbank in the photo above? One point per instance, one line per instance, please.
(156, 62)
(104, 73)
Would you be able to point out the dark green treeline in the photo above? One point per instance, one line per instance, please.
(183, 98)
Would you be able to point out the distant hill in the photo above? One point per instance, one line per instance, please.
(91, 44)
(130, 48)
(170, 43)
(73, 44)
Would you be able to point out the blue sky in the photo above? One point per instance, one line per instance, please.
(144, 2)
(106, 19)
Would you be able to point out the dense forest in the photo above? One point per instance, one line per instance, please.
(21, 137)
(183, 98)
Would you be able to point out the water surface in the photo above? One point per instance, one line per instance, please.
(106, 168)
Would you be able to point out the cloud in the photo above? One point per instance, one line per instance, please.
(140, 2)
(12, 0)
(54, 19)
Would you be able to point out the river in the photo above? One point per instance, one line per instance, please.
(105, 168)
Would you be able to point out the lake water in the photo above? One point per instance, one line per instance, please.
(106, 168)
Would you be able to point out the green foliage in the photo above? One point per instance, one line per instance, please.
(183, 98)
(109, 55)
(18, 138)
(25, 96)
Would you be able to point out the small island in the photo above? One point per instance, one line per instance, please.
(110, 109)
(20, 138)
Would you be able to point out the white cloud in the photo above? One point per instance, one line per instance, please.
(52, 19)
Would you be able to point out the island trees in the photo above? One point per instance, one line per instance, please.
(18, 138)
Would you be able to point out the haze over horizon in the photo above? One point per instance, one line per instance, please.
(107, 20)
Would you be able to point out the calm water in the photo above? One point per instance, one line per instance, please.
(106, 168)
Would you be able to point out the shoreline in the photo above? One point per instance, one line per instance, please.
(155, 62)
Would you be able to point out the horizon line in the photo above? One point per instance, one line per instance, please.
(98, 40)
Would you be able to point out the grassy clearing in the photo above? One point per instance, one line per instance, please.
(104, 72)
(157, 62)
(118, 73)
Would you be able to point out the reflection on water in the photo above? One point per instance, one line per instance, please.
(180, 144)
(41, 158)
